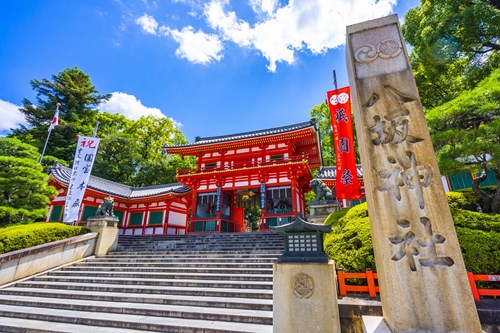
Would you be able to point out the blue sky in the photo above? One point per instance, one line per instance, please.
(214, 66)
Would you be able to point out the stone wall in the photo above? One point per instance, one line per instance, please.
(19, 264)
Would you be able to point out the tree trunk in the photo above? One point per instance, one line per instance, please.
(489, 203)
(486, 200)
(495, 204)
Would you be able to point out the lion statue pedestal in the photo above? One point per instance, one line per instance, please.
(325, 202)
(106, 224)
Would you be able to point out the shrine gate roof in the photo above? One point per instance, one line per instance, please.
(330, 172)
(215, 140)
(62, 174)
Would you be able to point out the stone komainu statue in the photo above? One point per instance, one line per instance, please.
(321, 190)
(106, 208)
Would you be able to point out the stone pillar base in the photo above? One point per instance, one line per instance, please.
(319, 212)
(305, 298)
(108, 234)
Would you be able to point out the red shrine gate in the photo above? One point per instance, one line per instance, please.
(266, 171)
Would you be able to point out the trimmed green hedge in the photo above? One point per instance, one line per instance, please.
(350, 242)
(21, 236)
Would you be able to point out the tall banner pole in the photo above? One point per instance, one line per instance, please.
(53, 123)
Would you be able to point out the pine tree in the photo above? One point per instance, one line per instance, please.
(23, 184)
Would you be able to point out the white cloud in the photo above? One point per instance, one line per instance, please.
(278, 31)
(196, 47)
(314, 25)
(148, 24)
(129, 106)
(266, 7)
(11, 116)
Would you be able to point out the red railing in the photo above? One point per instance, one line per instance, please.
(476, 293)
(370, 277)
(372, 289)
(243, 164)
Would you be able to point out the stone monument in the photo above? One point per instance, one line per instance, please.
(304, 288)
(421, 273)
(105, 223)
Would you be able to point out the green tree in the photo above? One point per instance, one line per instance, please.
(131, 152)
(465, 133)
(23, 184)
(321, 113)
(455, 45)
(79, 100)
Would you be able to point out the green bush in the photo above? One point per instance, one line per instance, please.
(334, 217)
(476, 220)
(458, 200)
(481, 250)
(350, 242)
(21, 236)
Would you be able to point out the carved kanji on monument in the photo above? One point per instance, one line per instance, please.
(422, 277)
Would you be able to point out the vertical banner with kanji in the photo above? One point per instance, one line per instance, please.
(347, 186)
(85, 154)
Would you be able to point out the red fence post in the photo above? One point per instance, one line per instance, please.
(371, 283)
(473, 287)
(341, 279)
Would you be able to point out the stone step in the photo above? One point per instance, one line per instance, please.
(170, 255)
(137, 322)
(236, 270)
(189, 300)
(23, 325)
(158, 282)
(178, 263)
(166, 290)
(142, 309)
(172, 275)
(114, 261)
(244, 254)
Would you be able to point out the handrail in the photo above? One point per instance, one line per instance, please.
(372, 289)
(234, 165)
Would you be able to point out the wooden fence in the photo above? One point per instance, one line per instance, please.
(372, 288)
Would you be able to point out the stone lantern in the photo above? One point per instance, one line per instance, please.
(303, 241)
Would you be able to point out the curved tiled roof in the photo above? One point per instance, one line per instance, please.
(330, 172)
(62, 174)
(246, 135)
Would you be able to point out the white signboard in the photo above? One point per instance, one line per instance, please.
(85, 154)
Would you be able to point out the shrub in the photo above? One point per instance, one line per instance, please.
(458, 200)
(475, 220)
(21, 236)
(334, 217)
(481, 250)
(350, 242)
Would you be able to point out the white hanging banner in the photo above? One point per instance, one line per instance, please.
(85, 154)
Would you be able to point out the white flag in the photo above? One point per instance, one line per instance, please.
(85, 154)
(55, 120)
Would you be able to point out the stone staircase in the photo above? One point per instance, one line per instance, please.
(182, 283)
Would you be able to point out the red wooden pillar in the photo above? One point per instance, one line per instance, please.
(165, 218)
(371, 283)
(341, 279)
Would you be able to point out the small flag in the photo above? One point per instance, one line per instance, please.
(55, 120)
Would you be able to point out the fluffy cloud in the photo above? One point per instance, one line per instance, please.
(314, 25)
(279, 31)
(148, 24)
(129, 106)
(11, 117)
(196, 47)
